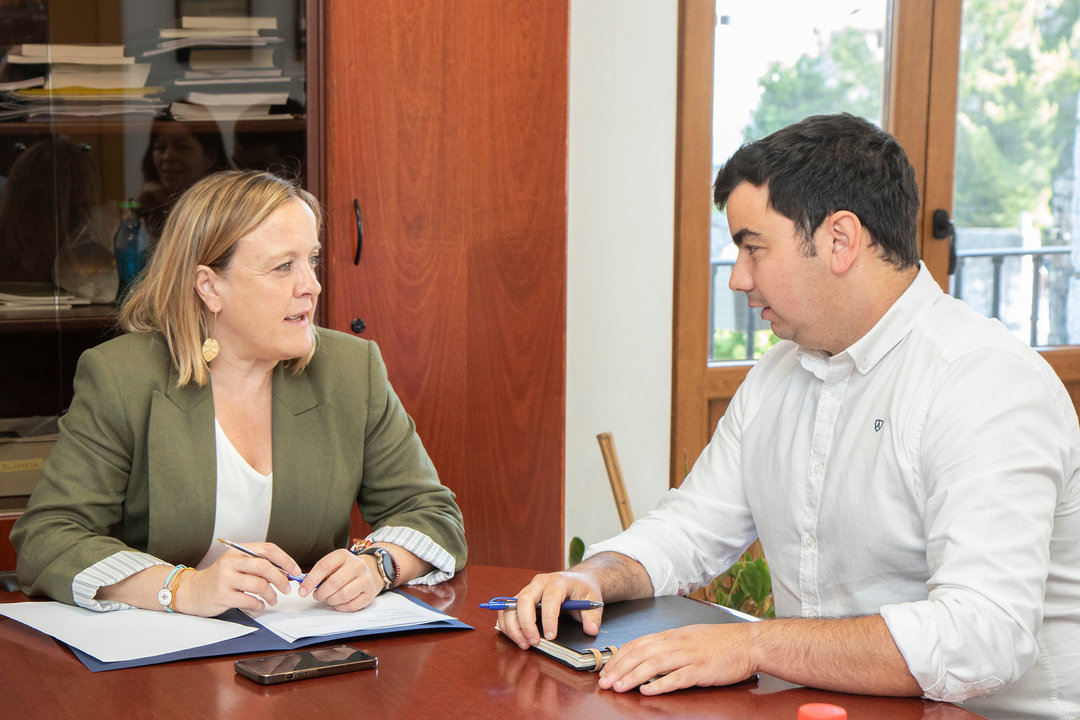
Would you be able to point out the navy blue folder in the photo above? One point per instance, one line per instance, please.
(262, 640)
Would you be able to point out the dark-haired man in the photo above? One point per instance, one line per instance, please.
(911, 469)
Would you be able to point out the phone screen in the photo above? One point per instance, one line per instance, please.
(304, 664)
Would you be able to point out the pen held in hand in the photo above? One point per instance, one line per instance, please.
(241, 548)
(509, 603)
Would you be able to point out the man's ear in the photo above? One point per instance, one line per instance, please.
(206, 285)
(846, 231)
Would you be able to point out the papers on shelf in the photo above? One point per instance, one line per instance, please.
(295, 617)
(32, 296)
(29, 427)
(206, 33)
(22, 84)
(122, 634)
(65, 75)
(185, 111)
(231, 22)
(210, 58)
(78, 102)
(75, 53)
(225, 80)
(242, 99)
(228, 41)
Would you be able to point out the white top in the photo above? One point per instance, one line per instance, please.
(931, 472)
(242, 512)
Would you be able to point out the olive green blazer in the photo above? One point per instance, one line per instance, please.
(135, 465)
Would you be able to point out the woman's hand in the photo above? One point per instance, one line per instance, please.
(235, 580)
(344, 581)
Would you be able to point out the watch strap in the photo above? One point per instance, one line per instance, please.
(385, 564)
(165, 594)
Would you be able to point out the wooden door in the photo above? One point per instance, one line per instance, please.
(445, 125)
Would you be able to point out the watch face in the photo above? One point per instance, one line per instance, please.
(164, 597)
(388, 566)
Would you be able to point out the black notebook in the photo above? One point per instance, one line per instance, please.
(626, 621)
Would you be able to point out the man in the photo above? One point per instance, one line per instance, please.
(911, 469)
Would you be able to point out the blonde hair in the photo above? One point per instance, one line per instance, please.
(203, 229)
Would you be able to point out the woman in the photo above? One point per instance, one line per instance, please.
(224, 412)
(175, 159)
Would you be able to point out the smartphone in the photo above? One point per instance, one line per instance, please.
(284, 667)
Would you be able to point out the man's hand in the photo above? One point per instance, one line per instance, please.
(549, 591)
(695, 655)
(854, 655)
(607, 577)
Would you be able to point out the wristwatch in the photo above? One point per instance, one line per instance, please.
(384, 563)
(165, 594)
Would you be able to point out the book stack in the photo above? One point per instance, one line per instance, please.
(234, 33)
(30, 297)
(82, 80)
(228, 64)
(230, 106)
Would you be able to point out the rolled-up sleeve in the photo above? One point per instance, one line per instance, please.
(993, 478)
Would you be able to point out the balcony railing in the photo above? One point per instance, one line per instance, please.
(1040, 259)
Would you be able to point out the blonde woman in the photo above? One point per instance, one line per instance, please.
(224, 412)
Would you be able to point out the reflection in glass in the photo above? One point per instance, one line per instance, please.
(54, 227)
(177, 155)
(776, 63)
(1014, 203)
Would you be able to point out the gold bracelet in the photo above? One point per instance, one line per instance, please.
(173, 586)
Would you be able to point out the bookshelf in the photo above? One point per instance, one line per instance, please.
(91, 149)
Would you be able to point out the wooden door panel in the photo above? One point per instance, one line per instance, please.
(447, 121)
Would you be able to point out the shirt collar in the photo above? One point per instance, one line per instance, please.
(886, 334)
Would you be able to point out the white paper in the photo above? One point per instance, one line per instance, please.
(122, 634)
(295, 617)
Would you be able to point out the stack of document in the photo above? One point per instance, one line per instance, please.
(208, 31)
(295, 618)
(230, 62)
(36, 297)
(229, 106)
(83, 80)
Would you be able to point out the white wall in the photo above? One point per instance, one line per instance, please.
(620, 255)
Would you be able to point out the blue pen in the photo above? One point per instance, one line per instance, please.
(241, 548)
(509, 603)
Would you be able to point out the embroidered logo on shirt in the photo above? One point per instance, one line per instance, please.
(878, 424)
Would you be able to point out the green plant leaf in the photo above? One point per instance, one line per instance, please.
(577, 550)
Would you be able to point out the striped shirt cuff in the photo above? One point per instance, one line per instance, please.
(422, 547)
(111, 570)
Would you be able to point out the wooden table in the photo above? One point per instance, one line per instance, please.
(437, 675)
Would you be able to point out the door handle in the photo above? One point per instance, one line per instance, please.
(359, 232)
(944, 229)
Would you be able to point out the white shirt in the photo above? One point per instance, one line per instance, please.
(929, 473)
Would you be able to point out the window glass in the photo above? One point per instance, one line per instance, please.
(1015, 204)
(776, 63)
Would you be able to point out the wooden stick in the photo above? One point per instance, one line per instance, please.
(618, 489)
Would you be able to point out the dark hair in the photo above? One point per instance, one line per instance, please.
(827, 163)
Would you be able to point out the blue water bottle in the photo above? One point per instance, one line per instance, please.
(129, 244)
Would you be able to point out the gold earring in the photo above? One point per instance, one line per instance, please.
(210, 347)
